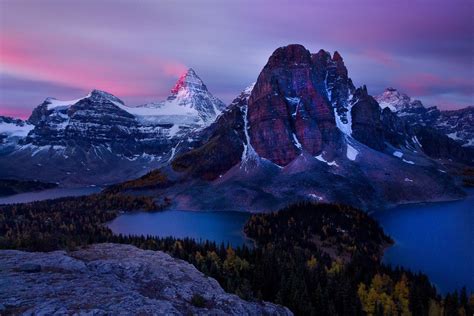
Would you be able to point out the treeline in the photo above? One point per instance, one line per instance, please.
(65, 223)
(468, 177)
(314, 259)
(11, 187)
(152, 180)
(339, 230)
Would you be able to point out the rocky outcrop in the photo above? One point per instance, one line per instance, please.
(366, 121)
(112, 279)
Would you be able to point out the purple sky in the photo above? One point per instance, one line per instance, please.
(137, 49)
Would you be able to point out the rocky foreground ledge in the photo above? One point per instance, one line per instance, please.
(113, 279)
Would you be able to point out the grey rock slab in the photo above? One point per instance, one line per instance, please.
(113, 279)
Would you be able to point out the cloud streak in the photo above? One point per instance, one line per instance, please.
(137, 49)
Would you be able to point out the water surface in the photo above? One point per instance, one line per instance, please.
(435, 238)
(220, 227)
(48, 194)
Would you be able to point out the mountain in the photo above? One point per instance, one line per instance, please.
(304, 132)
(456, 124)
(11, 131)
(98, 139)
(189, 100)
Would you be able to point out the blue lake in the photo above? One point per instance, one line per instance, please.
(220, 227)
(48, 194)
(435, 238)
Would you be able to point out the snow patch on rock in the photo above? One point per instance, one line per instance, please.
(398, 154)
(315, 197)
(15, 129)
(53, 103)
(249, 155)
(296, 141)
(351, 152)
(329, 163)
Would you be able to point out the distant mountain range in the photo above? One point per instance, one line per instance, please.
(456, 124)
(97, 139)
(302, 131)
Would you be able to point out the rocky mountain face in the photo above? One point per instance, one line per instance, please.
(112, 279)
(289, 110)
(456, 124)
(304, 132)
(98, 139)
(95, 120)
(220, 146)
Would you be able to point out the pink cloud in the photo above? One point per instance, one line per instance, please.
(422, 84)
(45, 59)
(381, 57)
(14, 112)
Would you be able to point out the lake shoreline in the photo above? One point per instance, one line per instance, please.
(468, 192)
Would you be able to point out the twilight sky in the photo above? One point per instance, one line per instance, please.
(137, 49)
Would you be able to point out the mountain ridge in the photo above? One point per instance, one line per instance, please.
(88, 139)
(282, 142)
(302, 131)
(456, 124)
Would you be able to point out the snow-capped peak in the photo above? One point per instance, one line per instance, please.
(396, 101)
(95, 95)
(189, 101)
(53, 103)
(101, 96)
(188, 80)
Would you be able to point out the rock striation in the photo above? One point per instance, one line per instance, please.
(113, 279)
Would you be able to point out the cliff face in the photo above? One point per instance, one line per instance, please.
(366, 123)
(289, 110)
(112, 279)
